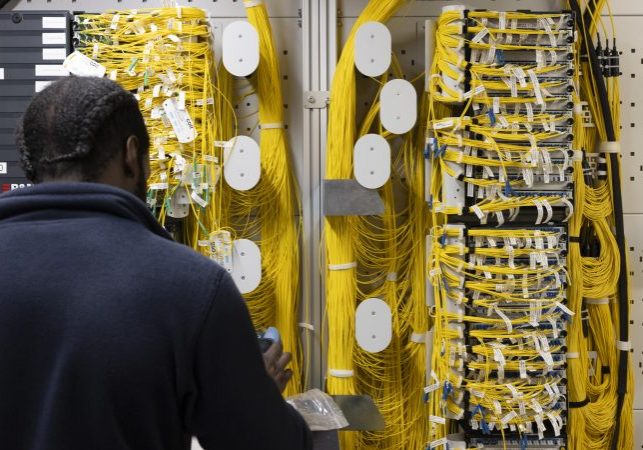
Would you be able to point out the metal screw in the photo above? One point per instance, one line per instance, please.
(311, 99)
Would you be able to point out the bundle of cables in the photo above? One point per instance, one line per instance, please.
(277, 195)
(601, 380)
(165, 56)
(390, 267)
(505, 148)
(377, 257)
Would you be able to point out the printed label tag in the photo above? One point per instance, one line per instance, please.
(83, 66)
(180, 121)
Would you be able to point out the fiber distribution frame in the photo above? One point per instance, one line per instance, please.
(506, 144)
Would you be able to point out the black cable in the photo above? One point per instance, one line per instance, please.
(618, 220)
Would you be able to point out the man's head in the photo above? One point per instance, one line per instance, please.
(85, 129)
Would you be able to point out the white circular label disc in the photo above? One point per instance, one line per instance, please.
(246, 265)
(398, 106)
(242, 165)
(372, 161)
(240, 48)
(373, 325)
(373, 49)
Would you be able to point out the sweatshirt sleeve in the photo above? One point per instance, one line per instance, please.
(238, 406)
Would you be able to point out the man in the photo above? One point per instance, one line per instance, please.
(111, 335)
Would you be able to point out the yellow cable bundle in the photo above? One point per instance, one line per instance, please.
(341, 279)
(279, 208)
(379, 374)
(577, 356)
(384, 247)
(417, 317)
(593, 426)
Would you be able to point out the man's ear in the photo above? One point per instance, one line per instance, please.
(131, 163)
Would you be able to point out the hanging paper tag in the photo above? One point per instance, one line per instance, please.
(504, 317)
(180, 121)
(496, 105)
(502, 20)
(82, 66)
(220, 243)
(508, 417)
(565, 309)
(536, 85)
(480, 35)
(539, 206)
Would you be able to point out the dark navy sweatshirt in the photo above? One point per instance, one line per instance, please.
(112, 336)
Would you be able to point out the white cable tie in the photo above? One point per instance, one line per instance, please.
(340, 373)
(307, 326)
(251, 3)
(610, 147)
(418, 338)
(578, 155)
(345, 266)
(391, 276)
(270, 126)
(572, 355)
(625, 346)
(597, 301)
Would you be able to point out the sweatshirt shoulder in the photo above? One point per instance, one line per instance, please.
(181, 259)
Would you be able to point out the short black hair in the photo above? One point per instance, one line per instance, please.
(75, 126)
